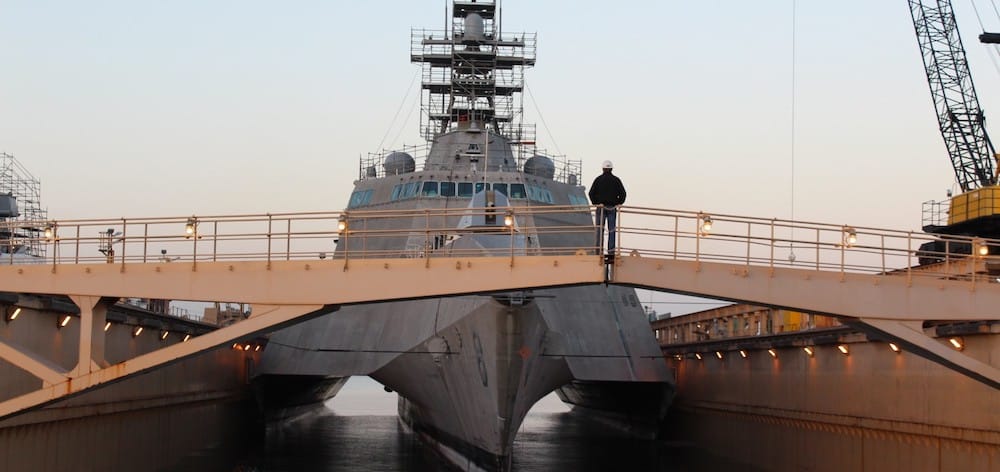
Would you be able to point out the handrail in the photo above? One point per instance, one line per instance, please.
(752, 243)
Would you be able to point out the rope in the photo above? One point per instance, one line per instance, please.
(991, 52)
(402, 127)
(541, 118)
(791, 249)
(393, 122)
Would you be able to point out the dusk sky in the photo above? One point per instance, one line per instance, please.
(125, 108)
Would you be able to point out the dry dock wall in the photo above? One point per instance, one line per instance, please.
(871, 410)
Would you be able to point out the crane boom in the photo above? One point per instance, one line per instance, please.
(960, 118)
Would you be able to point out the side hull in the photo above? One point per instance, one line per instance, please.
(637, 408)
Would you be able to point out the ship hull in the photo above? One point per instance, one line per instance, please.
(468, 369)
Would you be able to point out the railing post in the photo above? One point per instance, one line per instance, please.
(269, 222)
(771, 259)
(697, 241)
(883, 252)
(288, 239)
(817, 248)
(677, 233)
(909, 258)
(748, 244)
(194, 255)
(76, 258)
(215, 240)
(511, 229)
(843, 253)
(947, 257)
(145, 242)
(124, 238)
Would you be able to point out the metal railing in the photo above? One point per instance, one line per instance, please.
(643, 232)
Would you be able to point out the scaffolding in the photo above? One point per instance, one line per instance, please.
(23, 221)
(472, 75)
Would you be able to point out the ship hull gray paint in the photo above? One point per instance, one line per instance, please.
(468, 369)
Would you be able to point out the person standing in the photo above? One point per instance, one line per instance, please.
(607, 192)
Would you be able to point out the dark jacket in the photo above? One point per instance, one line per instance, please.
(607, 190)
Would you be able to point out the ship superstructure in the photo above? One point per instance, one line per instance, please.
(467, 369)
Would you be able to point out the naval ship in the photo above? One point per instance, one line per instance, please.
(468, 369)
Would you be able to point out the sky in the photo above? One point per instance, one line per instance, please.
(125, 108)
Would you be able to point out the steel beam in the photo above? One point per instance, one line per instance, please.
(910, 334)
(269, 317)
(48, 372)
(888, 296)
(323, 282)
(892, 304)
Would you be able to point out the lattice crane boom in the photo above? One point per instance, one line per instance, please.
(960, 118)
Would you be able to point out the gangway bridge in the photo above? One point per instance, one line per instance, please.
(286, 268)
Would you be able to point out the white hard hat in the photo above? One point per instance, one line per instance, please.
(607, 165)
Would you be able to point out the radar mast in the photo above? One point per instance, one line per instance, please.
(473, 76)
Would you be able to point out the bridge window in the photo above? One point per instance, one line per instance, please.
(465, 189)
(360, 198)
(404, 191)
(539, 194)
(430, 189)
(502, 188)
(410, 190)
(517, 191)
(448, 189)
(480, 186)
(578, 200)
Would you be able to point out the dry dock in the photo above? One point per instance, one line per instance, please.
(785, 390)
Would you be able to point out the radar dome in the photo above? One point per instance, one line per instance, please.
(475, 30)
(399, 163)
(541, 166)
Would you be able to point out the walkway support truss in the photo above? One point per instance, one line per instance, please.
(285, 266)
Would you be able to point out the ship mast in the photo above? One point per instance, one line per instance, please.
(473, 76)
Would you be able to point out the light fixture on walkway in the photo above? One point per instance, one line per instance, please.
(12, 313)
(980, 248)
(843, 349)
(773, 353)
(957, 343)
(342, 224)
(895, 348)
(49, 232)
(186, 337)
(163, 335)
(64, 321)
(704, 223)
(743, 354)
(697, 356)
(809, 351)
(191, 227)
(137, 331)
(508, 219)
(850, 236)
(718, 354)
(107, 326)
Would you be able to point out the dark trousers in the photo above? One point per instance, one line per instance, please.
(606, 219)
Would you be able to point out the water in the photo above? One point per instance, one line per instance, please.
(359, 431)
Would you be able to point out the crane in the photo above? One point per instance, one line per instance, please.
(976, 210)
